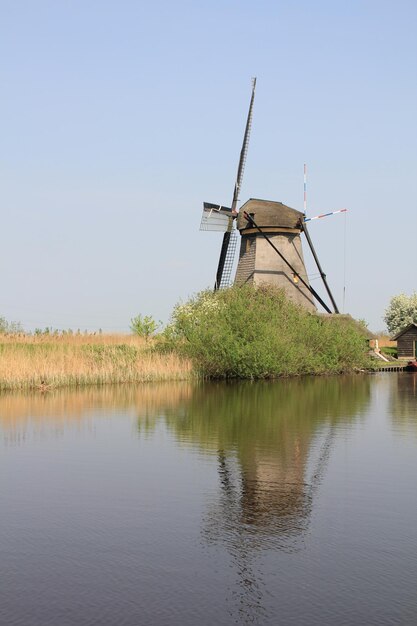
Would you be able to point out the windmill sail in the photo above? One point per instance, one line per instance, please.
(229, 260)
(224, 253)
(215, 217)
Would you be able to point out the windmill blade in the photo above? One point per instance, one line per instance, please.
(318, 217)
(229, 260)
(244, 150)
(238, 184)
(218, 208)
(215, 217)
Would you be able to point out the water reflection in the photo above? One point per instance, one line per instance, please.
(273, 440)
(29, 415)
(261, 433)
(270, 442)
(403, 402)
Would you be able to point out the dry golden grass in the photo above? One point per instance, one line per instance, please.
(74, 339)
(49, 361)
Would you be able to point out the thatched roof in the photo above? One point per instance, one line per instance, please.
(269, 213)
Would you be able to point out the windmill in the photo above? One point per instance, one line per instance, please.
(270, 249)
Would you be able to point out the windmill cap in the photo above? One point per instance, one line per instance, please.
(267, 213)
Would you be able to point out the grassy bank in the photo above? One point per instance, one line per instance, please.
(48, 361)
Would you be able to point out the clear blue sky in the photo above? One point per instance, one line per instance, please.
(118, 119)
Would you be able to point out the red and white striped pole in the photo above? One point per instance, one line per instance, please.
(317, 217)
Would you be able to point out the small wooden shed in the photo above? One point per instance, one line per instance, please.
(407, 342)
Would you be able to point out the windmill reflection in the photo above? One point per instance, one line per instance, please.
(272, 441)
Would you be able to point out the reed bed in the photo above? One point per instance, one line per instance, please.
(75, 339)
(50, 361)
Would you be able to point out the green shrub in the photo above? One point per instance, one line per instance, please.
(247, 332)
(144, 325)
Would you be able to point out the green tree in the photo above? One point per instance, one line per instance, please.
(401, 311)
(144, 326)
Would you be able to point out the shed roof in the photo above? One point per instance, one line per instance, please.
(269, 213)
(404, 330)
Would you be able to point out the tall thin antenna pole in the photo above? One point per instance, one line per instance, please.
(344, 265)
(305, 190)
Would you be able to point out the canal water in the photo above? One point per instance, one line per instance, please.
(287, 502)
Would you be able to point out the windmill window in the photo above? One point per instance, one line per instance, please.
(248, 242)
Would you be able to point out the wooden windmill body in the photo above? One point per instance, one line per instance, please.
(258, 262)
